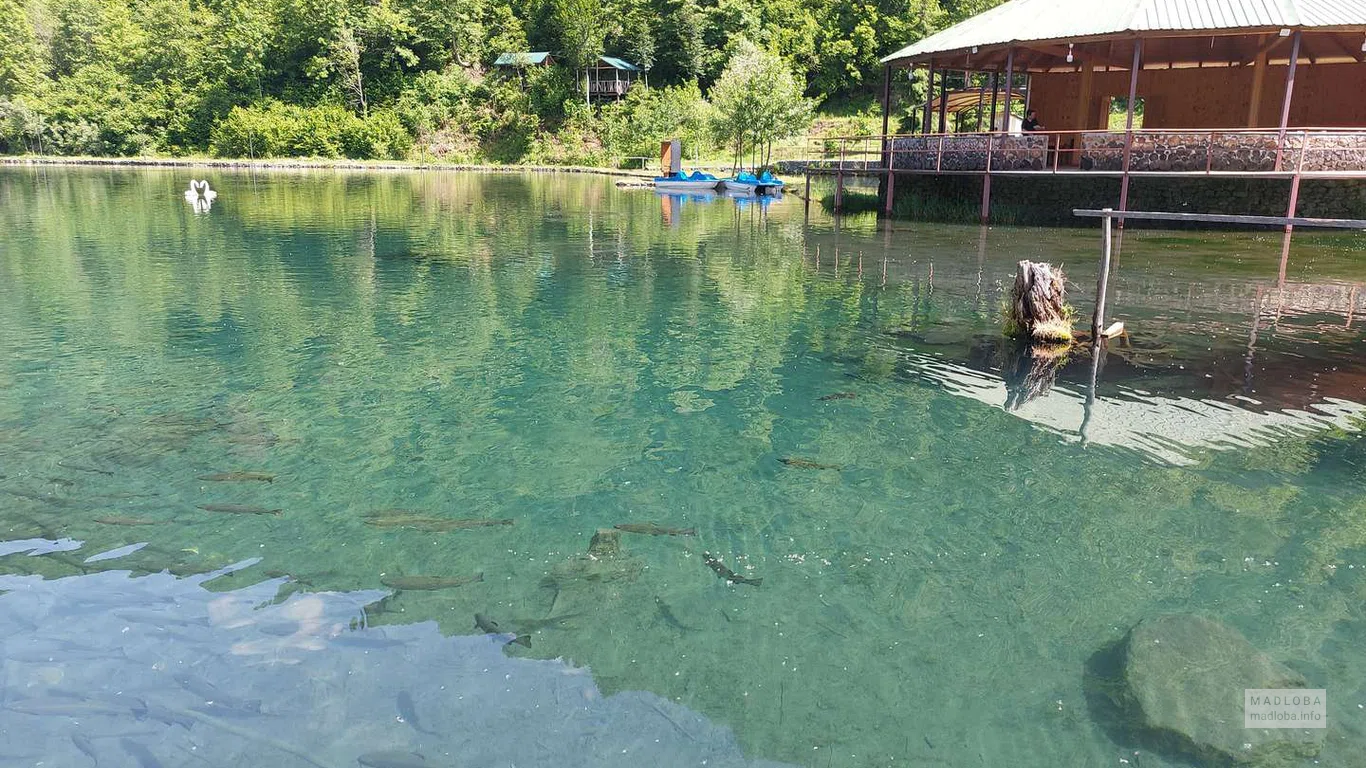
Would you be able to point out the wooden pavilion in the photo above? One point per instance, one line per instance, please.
(1242, 88)
(611, 77)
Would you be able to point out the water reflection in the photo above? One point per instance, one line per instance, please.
(170, 672)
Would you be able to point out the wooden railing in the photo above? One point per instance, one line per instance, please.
(609, 87)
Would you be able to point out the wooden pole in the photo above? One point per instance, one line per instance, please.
(886, 108)
(1289, 95)
(1084, 97)
(887, 142)
(981, 102)
(1258, 82)
(1103, 279)
(929, 98)
(1010, 86)
(944, 101)
(986, 183)
(1295, 182)
(891, 190)
(1129, 128)
(995, 89)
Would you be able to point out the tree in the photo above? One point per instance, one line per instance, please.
(757, 102)
(18, 50)
(583, 32)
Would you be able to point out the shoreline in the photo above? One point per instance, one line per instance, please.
(302, 164)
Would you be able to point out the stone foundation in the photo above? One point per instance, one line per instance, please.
(1104, 151)
(968, 152)
(1049, 200)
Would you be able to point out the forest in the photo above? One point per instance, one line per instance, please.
(413, 79)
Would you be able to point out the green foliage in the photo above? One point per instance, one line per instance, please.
(636, 125)
(275, 129)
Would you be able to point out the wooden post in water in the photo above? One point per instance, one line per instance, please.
(1103, 279)
(1295, 182)
(986, 183)
(1129, 128)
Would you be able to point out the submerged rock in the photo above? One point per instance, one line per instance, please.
(1183, 680)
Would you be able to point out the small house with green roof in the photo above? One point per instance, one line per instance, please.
(611, 77)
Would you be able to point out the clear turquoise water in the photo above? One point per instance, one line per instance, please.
(572, 356)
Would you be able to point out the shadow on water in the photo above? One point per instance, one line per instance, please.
(170, 673)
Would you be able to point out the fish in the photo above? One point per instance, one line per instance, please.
(666, 613)
(240, 509)
(239, 477)
(650, 529)
(793, 461)
(527, 626)
(162, 714)
(491, 627)
(429, 583)
(838, 396)
(140, 753)
(120, 520)
(392, 759)
(63, 706)
(80, 468)
(408, 712)
(432, 524)
(82, 743)
(728, 574)
(212, 694)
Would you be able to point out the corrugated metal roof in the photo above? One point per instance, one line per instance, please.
(521, 59)
(1036, 20)
(619, 64)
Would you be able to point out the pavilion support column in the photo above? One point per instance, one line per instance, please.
(944, 101)
(1289, 96)
(929, 98)
(1010, 87)
(981, 103)
(995, 89)
(886, 113)
(1084, 97)
(1129, 127)
(886, 141)
(1258, 82)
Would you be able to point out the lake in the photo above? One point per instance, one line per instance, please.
(261, 466)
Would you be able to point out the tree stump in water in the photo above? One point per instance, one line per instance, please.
(1038, 304)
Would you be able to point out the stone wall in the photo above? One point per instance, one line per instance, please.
(968, 152)
(1194, 151)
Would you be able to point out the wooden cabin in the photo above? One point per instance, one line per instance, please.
(611, 78)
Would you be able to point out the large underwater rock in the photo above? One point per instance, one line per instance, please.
(1184, 677)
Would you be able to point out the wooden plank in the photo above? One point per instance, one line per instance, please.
(1222, 218)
